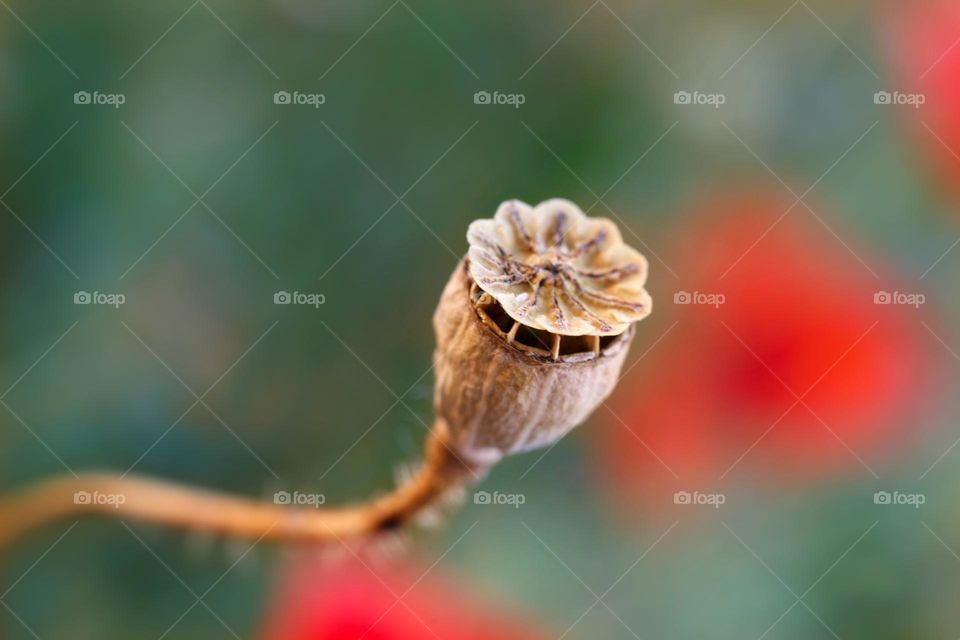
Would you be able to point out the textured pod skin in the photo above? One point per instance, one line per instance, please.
(497, 399)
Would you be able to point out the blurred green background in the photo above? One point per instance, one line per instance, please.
(366, 200)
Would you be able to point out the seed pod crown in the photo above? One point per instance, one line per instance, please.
(552, 268)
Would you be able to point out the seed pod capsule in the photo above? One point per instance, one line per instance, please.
(533, 327)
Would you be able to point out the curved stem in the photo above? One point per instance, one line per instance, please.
(189, 508)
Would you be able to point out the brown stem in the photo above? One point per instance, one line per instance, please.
(196, 509)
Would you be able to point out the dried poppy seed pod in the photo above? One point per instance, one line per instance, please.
(533, 327)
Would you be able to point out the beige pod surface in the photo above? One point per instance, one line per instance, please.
(497, 398)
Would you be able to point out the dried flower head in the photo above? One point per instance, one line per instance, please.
(533, 328)
(552, 268)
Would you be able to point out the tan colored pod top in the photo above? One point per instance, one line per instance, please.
(498, 395)
(553, 268)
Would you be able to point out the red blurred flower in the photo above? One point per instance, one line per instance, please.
(923, 41)
(356, 599)
(719, 394)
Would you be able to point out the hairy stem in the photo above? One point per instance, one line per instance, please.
(194, 509)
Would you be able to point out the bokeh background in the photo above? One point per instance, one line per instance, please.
(802, 355)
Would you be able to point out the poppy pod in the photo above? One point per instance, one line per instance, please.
(533, 327)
